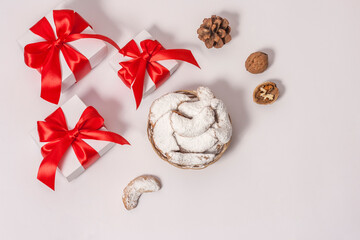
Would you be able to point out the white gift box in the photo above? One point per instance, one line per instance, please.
(93, 49)
(149, 85)
(70, 166)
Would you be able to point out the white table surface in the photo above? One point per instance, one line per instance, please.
(293, 169)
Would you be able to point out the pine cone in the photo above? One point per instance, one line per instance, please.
(214, 31)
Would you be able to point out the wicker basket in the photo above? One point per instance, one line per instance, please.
(191, 94)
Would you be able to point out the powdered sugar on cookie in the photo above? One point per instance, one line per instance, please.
(199, 143)
(163, 135)
(205, 94)
(190, 129)
(137, 187)
(223, 126)
(165, 104)
(191, 160)
(191, 109)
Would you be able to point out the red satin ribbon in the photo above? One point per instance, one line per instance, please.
(133, 71)
(44, 56)
(54, 130)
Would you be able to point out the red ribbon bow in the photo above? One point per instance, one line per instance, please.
(44, 56)
(133, 71)
(54, 130)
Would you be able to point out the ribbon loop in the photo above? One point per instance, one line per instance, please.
(133, 71)
(55, 132)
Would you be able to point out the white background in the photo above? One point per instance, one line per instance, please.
(292, 171)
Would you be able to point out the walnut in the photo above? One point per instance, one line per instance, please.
(257, 62)
(266, 93)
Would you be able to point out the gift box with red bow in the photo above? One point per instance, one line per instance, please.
(143, 64)
(71, 139)
(149, 86)
(57, 48)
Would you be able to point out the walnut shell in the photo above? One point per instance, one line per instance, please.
(266, 93)
(257, 62)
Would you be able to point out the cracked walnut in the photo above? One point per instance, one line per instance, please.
(266, 93)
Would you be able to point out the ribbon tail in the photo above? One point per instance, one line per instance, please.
(177, 54)
(84, 153)
(51, 77)
(78, 63)
(138, 84)
(77, 36)
(157, 73)
(48, 166)
(104, 136)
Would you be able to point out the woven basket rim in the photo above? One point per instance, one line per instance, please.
(157, 151)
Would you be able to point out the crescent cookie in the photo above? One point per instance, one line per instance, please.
(138, 186)
(192, 127)
(165, 104)
(200, 143)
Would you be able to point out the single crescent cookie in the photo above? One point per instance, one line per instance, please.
(163, 134)
(199, 143)
(165, 104)
(191, 109)
(138, 186)
(192, 127)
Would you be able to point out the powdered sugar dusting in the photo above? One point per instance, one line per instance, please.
(165, 104)
(199, 143)
(137, 187)
(191, 109)
(195, 126)
(192, 160)
(163, 135)
(205, 94)
(223, 127)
